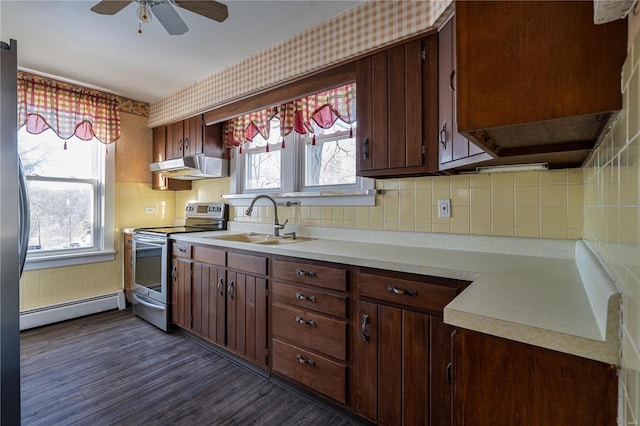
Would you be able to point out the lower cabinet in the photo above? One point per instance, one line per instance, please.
(309, 325)
(181, 285)
(222, 297)
(403, 349)
(503, 382)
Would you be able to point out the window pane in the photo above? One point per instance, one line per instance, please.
(262, 170)
(61, 215)
(44, 155)
(330, 162)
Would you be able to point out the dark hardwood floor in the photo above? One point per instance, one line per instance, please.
(115, 369)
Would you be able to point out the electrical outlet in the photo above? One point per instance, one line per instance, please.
(444, 208)
(149, 210)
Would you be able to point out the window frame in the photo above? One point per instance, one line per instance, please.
(293, 190)
(102, 249)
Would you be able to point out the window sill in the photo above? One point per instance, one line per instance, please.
(356, 197)
(56, 261)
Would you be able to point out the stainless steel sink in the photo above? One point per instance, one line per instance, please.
(252, 238)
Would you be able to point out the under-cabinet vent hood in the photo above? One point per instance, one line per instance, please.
(610, 10)
(192, 167)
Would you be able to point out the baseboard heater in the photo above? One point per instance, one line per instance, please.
(65, 311)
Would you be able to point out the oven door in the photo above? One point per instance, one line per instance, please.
(150, 267)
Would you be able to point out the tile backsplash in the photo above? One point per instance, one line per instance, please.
(537, 204)
(612, 219)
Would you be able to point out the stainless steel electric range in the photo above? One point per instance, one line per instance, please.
(151, 260)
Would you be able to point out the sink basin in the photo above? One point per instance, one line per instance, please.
(258, 239)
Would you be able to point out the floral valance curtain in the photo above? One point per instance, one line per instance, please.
(323, 108)
(85, 113)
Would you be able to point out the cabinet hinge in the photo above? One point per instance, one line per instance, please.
(424, 148)
(266, 293)
(424, 53)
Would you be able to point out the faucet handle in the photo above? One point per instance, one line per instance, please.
(281, 225)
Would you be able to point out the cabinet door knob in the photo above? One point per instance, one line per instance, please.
(365, 321)
(365, 149)
(395, 290)
(301, 296)
(302, 273)
(221, 287)
(442, 136)
(230, 290)
(301, 360)
(310, 323)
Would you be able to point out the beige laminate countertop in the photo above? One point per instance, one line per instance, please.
(541, 300)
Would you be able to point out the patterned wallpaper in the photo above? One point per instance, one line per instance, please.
(364, 28)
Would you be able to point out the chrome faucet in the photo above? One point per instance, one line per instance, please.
(276, 226)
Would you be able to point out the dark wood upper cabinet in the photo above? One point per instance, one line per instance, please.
(454, 150)
(397, 110)
(536, 80)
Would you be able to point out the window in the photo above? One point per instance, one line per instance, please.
(67, 196)
(303, 169)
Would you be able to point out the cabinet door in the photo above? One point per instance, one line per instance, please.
(247, 316)
(159, 144)
(503, 382)
(181, 292)
(393, 365)
(193, 135)
(208, 290)
(396, 109)
(440, 366)
(367, 360)
(454, 150)
(175, 140)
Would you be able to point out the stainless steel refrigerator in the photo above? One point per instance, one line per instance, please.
(14, 232)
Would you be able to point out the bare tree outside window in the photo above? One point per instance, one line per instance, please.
(63, 189)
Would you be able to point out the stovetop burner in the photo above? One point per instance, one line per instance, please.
(199, 217)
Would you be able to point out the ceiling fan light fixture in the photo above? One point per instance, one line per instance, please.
(144, 13)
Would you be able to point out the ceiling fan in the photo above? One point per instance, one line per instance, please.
(164, 11)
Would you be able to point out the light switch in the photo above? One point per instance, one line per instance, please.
(444, 208)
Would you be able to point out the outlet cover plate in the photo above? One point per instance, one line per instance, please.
(444, 208)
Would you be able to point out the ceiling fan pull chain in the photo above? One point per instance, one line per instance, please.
(139, 28)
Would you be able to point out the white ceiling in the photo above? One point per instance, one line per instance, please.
(64, 39)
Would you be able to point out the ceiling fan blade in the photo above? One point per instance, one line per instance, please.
(208, 8)
(110, 7)
(169, 18)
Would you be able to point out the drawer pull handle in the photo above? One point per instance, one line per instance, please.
(301, 296)
(221, 287)
(365, 321)
(182, 249)
(395, 290)
(230, 290)
(310, 323)
(301, 360)
(302, 273)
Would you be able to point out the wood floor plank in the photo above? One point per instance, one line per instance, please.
(116, 369)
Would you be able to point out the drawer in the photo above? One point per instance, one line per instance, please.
(311, 370)
(310, 330)
(406, 292)
(247, 263)
(305, 273)
(209, 255)
(128, 240)
(310, 298)
(181, 250)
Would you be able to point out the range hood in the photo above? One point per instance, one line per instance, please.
(192, 167)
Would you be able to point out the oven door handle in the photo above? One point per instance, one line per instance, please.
(154, 241)
(147, 304)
